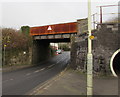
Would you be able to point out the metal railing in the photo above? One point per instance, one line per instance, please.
(105, 17)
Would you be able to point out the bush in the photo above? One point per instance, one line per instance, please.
(13, 43)
(65, 47)
(13, 39)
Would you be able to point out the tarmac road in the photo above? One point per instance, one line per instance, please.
(19, 82)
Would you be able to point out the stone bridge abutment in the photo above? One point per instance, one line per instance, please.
(41, 51)
(105, 44)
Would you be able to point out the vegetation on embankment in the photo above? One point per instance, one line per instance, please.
(64, 46)
(16, 47)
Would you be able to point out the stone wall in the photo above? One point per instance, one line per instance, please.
(105, 43)
(19, 57)
(40, 51)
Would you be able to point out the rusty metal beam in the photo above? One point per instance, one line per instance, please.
(54, 29)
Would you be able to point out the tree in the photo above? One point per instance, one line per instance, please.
(25, 29)
(14, 40)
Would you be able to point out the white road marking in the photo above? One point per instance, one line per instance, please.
(28, 74)
(39, 70)
(51, 65)
(8, 80)
(58, 61)
(47, 86)
(42, 69)
(11, 79)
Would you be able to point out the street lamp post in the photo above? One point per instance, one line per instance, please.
(101, 14)
(89, 55)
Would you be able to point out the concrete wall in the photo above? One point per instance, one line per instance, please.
(106, 42)
(41, 51)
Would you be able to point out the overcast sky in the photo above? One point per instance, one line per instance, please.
(17, 13)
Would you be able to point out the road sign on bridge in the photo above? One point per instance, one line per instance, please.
(49, 28)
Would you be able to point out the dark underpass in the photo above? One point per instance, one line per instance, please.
(41, 49)
(116, 64)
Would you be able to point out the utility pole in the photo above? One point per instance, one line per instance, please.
(101, 14)
(89, 56)
(94, 21)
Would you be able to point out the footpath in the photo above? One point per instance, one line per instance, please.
(72, 82)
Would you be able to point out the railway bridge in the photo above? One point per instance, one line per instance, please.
(106, 44)
(44, 35)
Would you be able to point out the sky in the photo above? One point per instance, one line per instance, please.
(17, 13)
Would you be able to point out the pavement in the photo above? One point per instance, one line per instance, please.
(72, 82)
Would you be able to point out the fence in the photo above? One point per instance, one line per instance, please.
(106, 14)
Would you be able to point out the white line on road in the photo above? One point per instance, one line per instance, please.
(58, 61)
(28, 74)
(51, 65)
(39, 70)
(11, 79)
(42, 69)
(8, 80)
